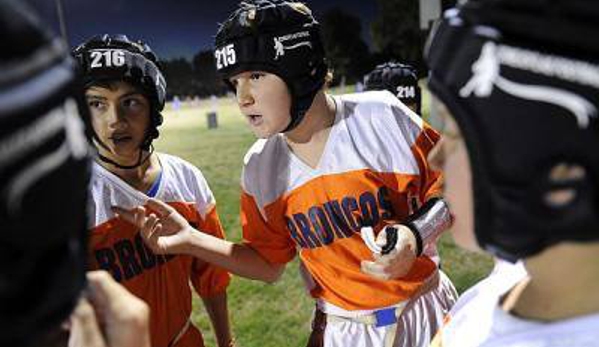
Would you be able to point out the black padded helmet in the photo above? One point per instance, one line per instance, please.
(279, 37)
(521, 78)
(115, 57)
(399, 79)
(43, 180)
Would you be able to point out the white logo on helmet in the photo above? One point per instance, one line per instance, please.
(279, 43)
(486, 74)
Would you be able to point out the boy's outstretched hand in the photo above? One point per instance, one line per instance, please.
(163, 229)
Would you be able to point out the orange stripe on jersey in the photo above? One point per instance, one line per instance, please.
(274, 246)
(432, 180)
(162, 281)
(323, 219)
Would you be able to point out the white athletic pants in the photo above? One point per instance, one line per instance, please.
(417, 324)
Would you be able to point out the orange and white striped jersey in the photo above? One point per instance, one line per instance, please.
(162, 281)
(373, 171)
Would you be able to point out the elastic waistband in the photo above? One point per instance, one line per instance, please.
(378, 317)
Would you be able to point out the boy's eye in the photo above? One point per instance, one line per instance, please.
(96, 104)
(131, 102)
(256, 75)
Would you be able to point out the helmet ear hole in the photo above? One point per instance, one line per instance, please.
(560, 198)
(564, 180)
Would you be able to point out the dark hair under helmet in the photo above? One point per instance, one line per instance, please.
(114, 57)
(278, 37)
(400, 79)
(43, 180)
(521, 79)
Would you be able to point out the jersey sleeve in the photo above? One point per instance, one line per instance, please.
(208, 279)
(203, 194)
(421, 139)
(272, 242)
(431, 180)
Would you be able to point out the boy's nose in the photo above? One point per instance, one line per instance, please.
(115, 116)
(244, 95)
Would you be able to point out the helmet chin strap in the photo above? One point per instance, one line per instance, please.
(140, 160)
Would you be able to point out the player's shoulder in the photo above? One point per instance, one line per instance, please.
(264, 157)
(176, 163)
(254, 152)
(379, 117)
(179, 171)
(263, 150)
(372, 97)
(377, 108)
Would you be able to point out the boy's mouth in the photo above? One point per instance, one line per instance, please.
(255, 119)
(120, 139)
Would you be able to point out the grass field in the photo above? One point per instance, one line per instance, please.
(262, 315)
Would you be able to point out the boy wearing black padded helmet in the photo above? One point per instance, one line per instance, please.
(125, 91)
(44, 173)
(325, 168)
(517, 85)
(106, 59)
(399, 79)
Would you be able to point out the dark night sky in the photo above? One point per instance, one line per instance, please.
(175, 28)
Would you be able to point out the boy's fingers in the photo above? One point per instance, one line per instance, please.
(106, 293)
(123, 316)
(160, 207)
(140, 217)
(127, 215)
(136, 215)
(85, 330)
(102, 287)
(151, 221)
(147, 231)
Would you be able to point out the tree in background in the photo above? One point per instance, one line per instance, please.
(177, 73)
(396, 31)
(195, 78)
(347, 53)
(206, 80)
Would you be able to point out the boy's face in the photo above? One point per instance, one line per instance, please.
(451, 156)
(120, 116)
(264, 100)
